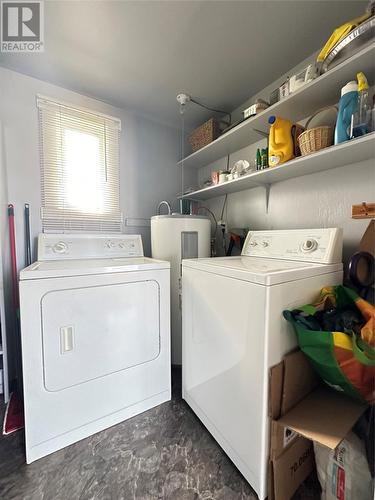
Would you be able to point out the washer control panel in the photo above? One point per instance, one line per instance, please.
(310, 245)
(88, 246)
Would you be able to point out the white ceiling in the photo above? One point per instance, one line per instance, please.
(139, 54)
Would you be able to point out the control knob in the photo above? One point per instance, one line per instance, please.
(309, 245)
(60, 247)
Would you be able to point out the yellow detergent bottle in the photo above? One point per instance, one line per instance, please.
(280, 143)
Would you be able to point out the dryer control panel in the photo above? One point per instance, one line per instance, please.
(88, 246)
(308, 245)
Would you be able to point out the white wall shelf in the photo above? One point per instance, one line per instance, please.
(354, 151)
(321, 92)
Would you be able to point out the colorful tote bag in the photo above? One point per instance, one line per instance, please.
(337, 334)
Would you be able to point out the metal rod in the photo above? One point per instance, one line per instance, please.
(27, 235)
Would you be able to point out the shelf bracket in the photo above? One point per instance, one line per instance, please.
(267, 188)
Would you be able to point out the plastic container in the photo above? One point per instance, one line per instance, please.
(264, 156)
(347, 107)
(215, 177)
(361, 118)
(223, 177)
(280, 143)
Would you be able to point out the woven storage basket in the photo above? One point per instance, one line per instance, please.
(204, 134)
(317, 138)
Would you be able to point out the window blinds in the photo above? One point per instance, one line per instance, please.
(79, 153)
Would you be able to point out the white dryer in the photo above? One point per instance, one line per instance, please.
(233, 332)
(95, 333)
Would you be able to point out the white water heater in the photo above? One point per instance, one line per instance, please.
(173, 238)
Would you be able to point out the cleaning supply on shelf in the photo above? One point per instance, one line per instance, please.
(264, 158)
(361, 118)
(223, 176)
(215, 177)
(280, 143)
(347, 106)
(258, 159)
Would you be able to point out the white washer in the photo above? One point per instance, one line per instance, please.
(233, 332)
(95, 337)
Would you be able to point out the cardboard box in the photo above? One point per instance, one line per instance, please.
(302, 410)
(290, 469)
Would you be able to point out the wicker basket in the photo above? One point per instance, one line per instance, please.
(204, 134)
(317, 138)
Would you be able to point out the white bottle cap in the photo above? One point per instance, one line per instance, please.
(349, 87)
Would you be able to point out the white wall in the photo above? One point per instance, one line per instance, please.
(317, 200)
(323, 199)
(148, 155)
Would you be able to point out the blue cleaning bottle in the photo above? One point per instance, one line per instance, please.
(347, 106)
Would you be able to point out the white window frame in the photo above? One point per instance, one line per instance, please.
(58, 214)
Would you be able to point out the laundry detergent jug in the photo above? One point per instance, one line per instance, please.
(347, 107)
(280, 142)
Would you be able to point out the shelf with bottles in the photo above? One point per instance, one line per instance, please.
(353, 151)
(323, 91)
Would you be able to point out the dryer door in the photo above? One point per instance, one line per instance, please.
(97, 330)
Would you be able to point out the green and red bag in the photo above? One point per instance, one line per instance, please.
(344, 360)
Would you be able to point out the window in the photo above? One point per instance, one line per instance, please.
(79, 153)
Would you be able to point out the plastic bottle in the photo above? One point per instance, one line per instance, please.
(258, 159)
(347, 107)
(280, 144)
(361, 118)
(264, 157)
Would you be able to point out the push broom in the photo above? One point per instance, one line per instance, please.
(14, 416)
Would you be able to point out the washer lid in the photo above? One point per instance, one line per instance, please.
(261, 270)
(180, 216)
(81, 267)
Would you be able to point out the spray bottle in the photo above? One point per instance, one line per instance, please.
(360, 120)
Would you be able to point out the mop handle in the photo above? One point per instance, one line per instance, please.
(27, 235)
(13, 255)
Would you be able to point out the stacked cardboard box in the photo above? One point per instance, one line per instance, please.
(302, 410)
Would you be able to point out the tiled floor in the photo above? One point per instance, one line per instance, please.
(164, 453)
